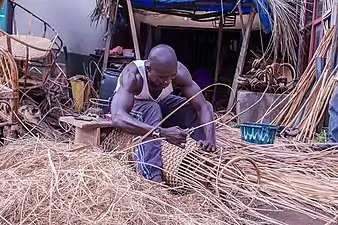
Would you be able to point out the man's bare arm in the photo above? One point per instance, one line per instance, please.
(184, 81)
(123, 102)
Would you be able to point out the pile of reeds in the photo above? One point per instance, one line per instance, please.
(43, 182)
(293, 176)
(307, 102)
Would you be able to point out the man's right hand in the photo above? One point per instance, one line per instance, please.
(175, 135)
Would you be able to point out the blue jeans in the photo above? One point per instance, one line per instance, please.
(333, 117)
(151, 113)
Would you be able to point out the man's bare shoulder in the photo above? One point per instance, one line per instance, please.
(131, 79)
(183, 76)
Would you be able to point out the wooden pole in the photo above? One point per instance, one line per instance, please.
(106, 50)
(1, 3)
(219, 48)
(241, 17)
(242, 56)
(149, 41)
(133, 30)
(334, 44)
(112, 19)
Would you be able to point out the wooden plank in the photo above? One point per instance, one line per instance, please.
(242, 56)
(218, 54)
(99, 123)
(133, 30)
(89, 136)
(241, 18)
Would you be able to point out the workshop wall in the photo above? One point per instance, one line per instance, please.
(71, 19)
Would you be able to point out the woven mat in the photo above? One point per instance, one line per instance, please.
(19, 50)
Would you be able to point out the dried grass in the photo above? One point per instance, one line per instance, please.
(293, 176)
(44, 182)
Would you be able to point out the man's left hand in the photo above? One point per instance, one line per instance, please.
(206, 145)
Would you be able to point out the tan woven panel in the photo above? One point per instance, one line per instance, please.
(19, 50)
(116, 139)
(177, 162)
(173, 157)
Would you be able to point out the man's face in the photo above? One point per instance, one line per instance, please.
(160, 77)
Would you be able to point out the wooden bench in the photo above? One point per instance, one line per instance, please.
(87, 132)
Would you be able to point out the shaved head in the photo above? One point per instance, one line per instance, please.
(162, 57)
(161, 65)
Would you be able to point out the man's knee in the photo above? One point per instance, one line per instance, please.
(210, 107)
(154, 112)
(150, 112)
(334, 99)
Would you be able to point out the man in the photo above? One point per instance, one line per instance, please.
(143, 97)
(332, 141)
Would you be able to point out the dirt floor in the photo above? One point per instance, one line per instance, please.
(294, 218)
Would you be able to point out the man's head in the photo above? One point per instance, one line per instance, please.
(161, 66)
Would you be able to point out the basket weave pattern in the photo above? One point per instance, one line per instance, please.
(116, 139)
(177, 162)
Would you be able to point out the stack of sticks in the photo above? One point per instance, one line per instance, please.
(307, 102)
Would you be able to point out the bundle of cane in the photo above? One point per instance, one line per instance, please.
(317, 102)
(292, 108)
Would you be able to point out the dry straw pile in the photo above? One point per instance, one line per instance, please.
(43, 182)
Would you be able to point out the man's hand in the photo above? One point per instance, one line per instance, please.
(208, 146)
(175, 136)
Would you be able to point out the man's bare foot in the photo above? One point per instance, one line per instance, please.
(323, 147)
(158, 179)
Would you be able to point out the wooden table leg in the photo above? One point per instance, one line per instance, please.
(87, 136)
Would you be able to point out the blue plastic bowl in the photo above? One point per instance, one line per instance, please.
(258, 133)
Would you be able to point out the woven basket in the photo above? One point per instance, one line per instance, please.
(176, 161)
(116, 139)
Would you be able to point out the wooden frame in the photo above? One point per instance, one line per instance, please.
(111, 24)
(311, 26)
(28, 53)
(242, 57)
(316, 20)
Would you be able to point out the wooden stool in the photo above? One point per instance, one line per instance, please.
(87, 132)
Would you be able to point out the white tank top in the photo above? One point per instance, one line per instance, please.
(145, 94)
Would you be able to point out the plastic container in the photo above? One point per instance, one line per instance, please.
(128, 52)
(258, 133)
(108, 84)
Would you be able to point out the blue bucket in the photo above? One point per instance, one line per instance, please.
(258, 133)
